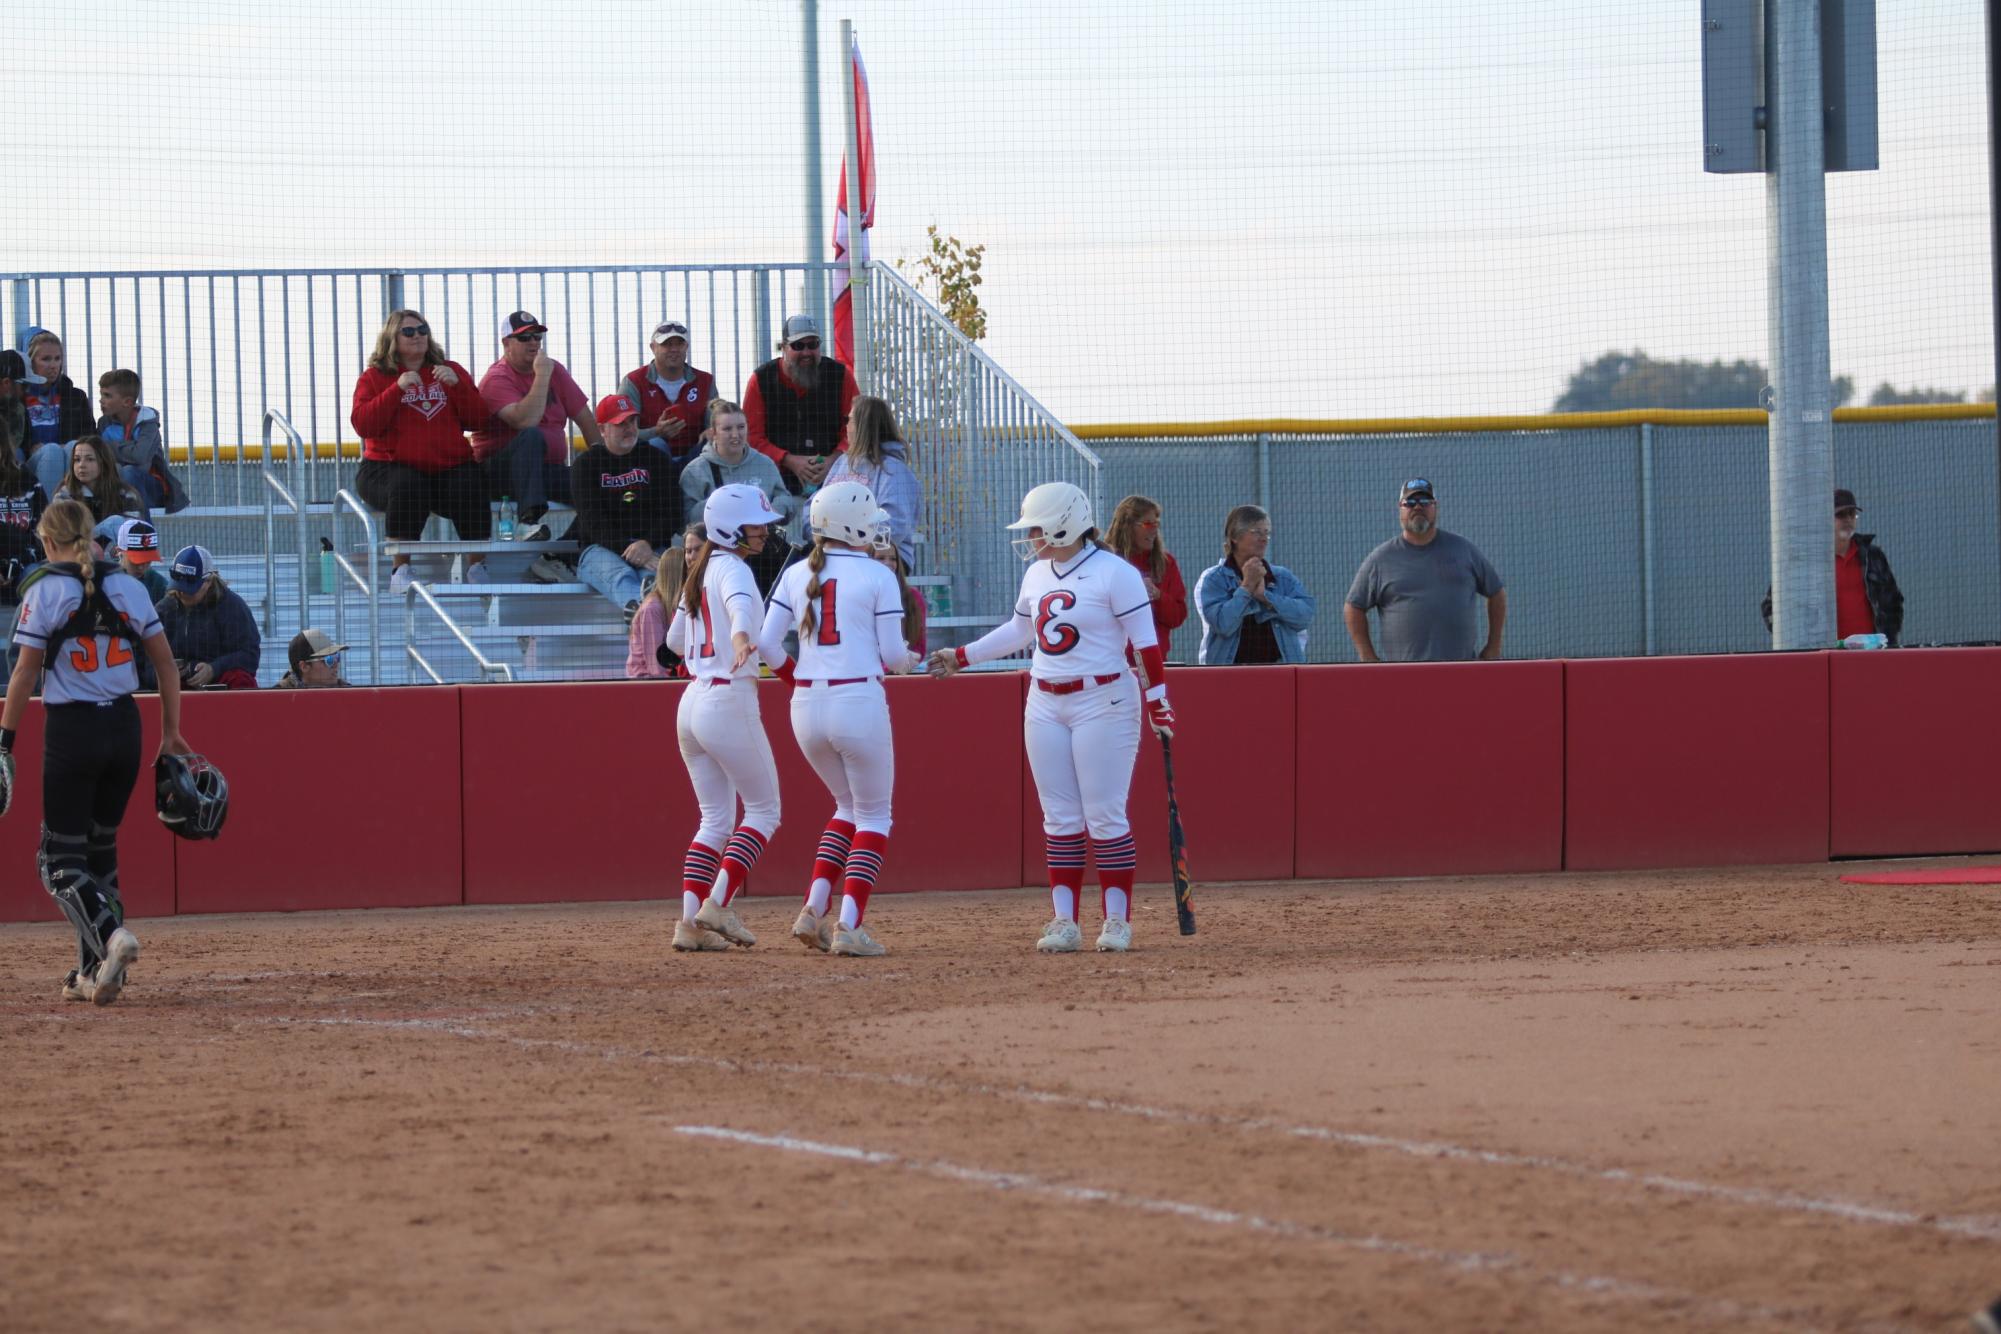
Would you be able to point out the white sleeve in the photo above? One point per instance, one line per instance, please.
(742, 607)
(896, 654)
(677, 633)
(1010, 636)
(779, 617)
(1133, 608)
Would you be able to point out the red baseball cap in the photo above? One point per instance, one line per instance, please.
(615, 408)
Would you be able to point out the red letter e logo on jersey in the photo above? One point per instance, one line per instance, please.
(1047, 610)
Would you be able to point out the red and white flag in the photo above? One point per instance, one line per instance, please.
(844, 306)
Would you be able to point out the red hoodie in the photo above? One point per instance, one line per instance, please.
(423, 428)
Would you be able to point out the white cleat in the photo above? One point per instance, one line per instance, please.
(1061, 936)
(120, 952)
(77, 987)
(689, 938)
(724, 922)
(1116, 938)
(856, 943)
(815, 933)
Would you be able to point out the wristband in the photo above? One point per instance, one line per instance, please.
(960, 654)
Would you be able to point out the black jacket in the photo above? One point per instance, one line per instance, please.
(1886, 600)
(626, 498)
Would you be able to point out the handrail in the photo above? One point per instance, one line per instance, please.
(488, 668)
(294, 446)
(370, 587)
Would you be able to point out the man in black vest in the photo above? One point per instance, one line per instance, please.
(797, 404)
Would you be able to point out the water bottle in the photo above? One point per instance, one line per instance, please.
(1866, 641)
(326, 566)
(506, 527)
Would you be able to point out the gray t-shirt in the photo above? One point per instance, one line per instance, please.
(1424, 597)
(92, 668)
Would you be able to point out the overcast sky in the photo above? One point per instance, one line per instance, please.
(1191, 211)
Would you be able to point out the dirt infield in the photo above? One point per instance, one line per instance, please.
(1729, 1100)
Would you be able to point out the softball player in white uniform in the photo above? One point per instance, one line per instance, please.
(848, 612)
(1080, 607)
(715, 630)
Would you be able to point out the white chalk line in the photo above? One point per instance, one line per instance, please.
(1476, 1262)
(1973, 1227)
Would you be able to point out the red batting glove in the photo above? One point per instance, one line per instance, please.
(1161, 717)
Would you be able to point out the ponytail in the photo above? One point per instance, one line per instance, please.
(815, 562)
(67, 524)
(691, 591)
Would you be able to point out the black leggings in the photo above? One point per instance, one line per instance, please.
(410, 496)
(90, 764)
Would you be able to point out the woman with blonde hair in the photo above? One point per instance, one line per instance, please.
(412, 408)
(1135, 535)
(83, 621)
(878, 458)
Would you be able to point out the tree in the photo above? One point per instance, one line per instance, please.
(1619, 380)
(1887, 395)
(950, 275)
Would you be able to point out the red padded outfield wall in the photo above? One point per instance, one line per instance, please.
(498, 794)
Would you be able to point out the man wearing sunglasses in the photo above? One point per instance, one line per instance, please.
(534, 402)
(797, 405)
(1867, 600)
(315, 662)
(1422, 585)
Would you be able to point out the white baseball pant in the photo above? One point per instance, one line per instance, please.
(1081, 748)
(727, 753)
(844, 732)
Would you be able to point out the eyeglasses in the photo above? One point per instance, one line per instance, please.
(526, 338)
(1264, 532)
(1419, 504)
(806, 345)
(1847, 513)
(415, 331)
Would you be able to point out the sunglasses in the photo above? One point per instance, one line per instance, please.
(1149, 523)
(806, 345)
(332, 660)
(415, 331)
(526, 338)
(1419, 504)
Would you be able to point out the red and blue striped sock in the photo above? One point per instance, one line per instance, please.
(864, 865)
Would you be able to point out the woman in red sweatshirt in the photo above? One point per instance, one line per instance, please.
(1135, 534)
(412, 409)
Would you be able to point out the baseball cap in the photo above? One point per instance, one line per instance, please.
(614, 408)
(1844, 499)
(1417, 486)
(191, 566)
(669, 329)
(800, 326)
(520, 322)
(106, 532)
(139, 540)
(308, 644)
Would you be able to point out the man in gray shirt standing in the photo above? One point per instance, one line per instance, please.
(1422, 583)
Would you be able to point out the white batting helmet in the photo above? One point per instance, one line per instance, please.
(845, 512)
(1060, 510)
(730, 508)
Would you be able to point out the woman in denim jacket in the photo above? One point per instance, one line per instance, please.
(1252, 611)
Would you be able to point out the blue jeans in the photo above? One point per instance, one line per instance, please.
(522, 472)
(606, 571)
(146, 485)
(49, 463)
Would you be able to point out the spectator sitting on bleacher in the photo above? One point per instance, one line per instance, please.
(877, 458)
(136, 548)
(133, 433)
(628, 508)
(797, 404)
(412, 408)
(21, 506)
(210, 628)
(15, 438)
(646, 651)
(525, 447)
(315, 660)
(58, 411)
(93, 479)
(671, 397)
(728, 459)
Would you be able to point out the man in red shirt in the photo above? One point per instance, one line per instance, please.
(1867, 600)
(797, 406)
(671, 397)
(526, 447)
